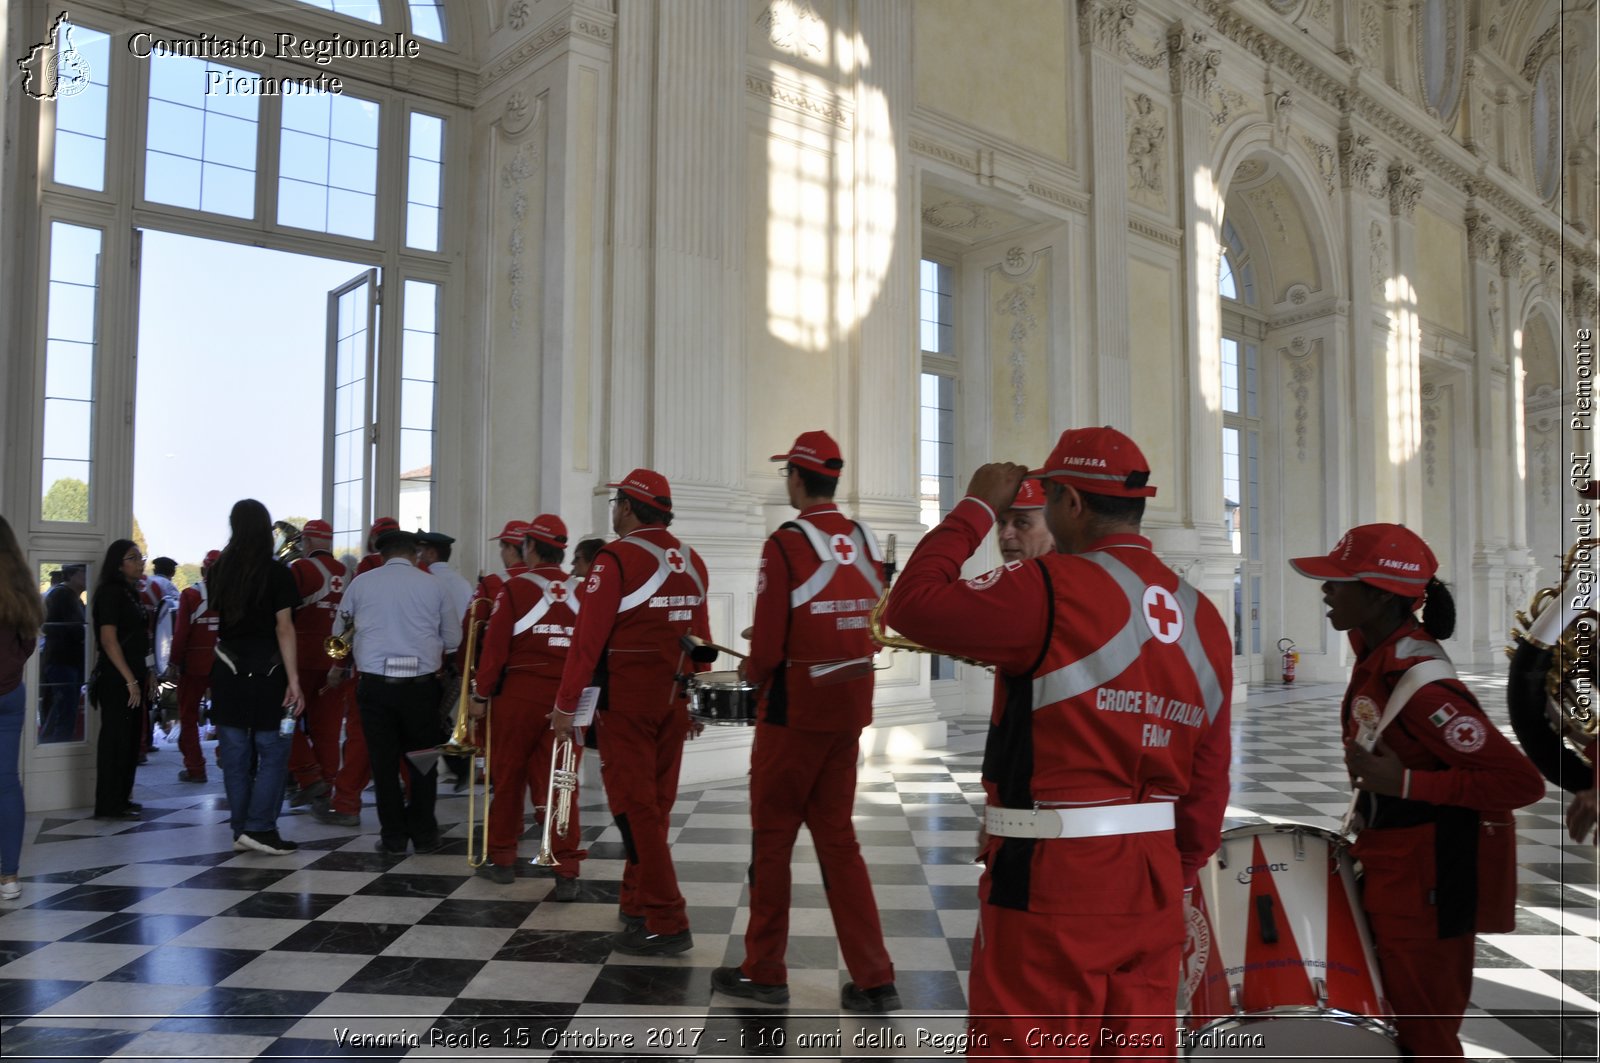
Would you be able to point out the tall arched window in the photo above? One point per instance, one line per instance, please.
(1242, 328)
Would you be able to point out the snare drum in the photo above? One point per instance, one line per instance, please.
(722, 699)
(1279, 961)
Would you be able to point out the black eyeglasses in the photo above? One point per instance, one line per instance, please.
(134, 557)
(784, 471)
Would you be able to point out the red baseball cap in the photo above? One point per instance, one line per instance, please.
(815, 452)
(1101, 461)
(1029, 496)
(317, 529)
(514, 532)
(547, 528)
(381, 525)
(210, 559)
(646, 486)
(1390, 557)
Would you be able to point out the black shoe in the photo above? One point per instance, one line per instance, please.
(126, 813)
(188, 776)
(384, 847)
(133, 806)
(567, 889)
(268, 841)
(429, 845)
(638, 941)
(879, 998)
(499, 874)
(731, 980)
(323, 814)
(306, 795)
(630, 922)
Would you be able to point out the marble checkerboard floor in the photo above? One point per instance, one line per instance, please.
(155, 940)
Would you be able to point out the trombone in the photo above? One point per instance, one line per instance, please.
(558, 798)
(460, 744)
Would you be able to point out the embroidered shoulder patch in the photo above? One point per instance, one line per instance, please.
(1443, 715)
(987, 580)
(1466, 734)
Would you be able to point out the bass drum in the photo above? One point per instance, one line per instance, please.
(1279, 962)
(722, 699)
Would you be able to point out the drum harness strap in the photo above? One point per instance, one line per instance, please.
(542, 606)
(1415, 678)
(1098, 668)
(866, 555)
(199, 613)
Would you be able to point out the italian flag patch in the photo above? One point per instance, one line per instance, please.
(1442, 716)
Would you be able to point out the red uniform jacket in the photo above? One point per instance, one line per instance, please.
(320, 580)
(644, 593)
(821, 574)
(368, 562)
(1440, 861)
(529, 634)
(1114, 685)
(479, 608)
(194, 632)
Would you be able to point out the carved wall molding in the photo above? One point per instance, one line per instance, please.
(1300, 381)
(1431, 401)
(1358, 163)
(1147, 149)
(1421, 146)
(1483, 238)
(1154, 59)
(943, 152)
(1513, 254)
(515, 174)
(1159, 233)
(1378, 261)
(590, 24)
(1312, 312)
(1191, 65)
(960, 216)
(1326, 159)
(1016, 304)
(1059, 196)
(1405, 189)
(829, 107)
(517, 14)
(519, 114)
(793, 26)
(1225, 105)
(1105, 23)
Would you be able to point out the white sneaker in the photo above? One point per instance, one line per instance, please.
(240, 845)
(10, 891)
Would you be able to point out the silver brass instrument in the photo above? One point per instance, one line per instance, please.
(558, 798)
(1553, 672)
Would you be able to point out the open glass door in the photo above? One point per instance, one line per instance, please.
(351, 427)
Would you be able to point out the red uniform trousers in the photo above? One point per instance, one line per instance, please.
(1075, 986)
(1428, 982)
(191, 690)
(809, 777)
(314, 755)
(641, 751)
(520, 757)
(355, 771)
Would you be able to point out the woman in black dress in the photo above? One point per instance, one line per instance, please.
(122, 678)
(254, 685)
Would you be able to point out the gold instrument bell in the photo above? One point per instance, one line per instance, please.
(339, 646)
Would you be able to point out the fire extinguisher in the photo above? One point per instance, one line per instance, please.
(1290, 659)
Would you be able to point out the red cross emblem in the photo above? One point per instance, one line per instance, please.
(336, 584)
(1162, 614)
(558, 592)
(843, 549)
(1466, 734)
(675, 560)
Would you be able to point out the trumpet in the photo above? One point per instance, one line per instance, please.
(880, 633)
(558, 798)
(289, 545)
(339, 646)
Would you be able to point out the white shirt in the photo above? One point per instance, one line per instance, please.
(402, 618)
(456, 587)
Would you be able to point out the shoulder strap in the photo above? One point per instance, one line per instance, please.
(1419, 675)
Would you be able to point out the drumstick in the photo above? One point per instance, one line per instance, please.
(696, 640)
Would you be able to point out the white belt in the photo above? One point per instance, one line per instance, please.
(1093, 821)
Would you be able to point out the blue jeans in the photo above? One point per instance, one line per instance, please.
(12, 709)
(255, 790)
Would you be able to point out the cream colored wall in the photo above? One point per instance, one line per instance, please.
(1002, 68)
(1441, 279)
(791, 364)
(1288, 244)
(1300, 457)
(1153, 351)
(1019, 330)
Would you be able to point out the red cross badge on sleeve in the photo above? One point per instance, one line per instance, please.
(1163, 614)
(675, 560)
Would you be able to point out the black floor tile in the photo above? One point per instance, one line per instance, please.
(454, 912)
(127, 928)
(620, 983)
(29, 996)
(413, 976)
(558, 946)
(280, 905)
(328, 935)
(178, 965)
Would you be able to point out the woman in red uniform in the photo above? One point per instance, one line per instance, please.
(1435, 782)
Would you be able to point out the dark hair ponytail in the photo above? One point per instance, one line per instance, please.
(1439, 610)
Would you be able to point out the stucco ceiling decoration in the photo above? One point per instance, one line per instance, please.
(966, 221)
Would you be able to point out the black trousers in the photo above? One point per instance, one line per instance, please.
(398, 718)
(117, 751)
